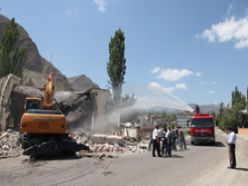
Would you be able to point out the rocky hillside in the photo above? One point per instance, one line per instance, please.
(37, 68)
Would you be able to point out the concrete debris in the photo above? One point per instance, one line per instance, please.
(144, 144)
(106, 148)
(9, 145)
(101, 146)
(81, 138)
(110, 139)
(111, 146)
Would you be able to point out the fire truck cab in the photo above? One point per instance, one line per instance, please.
(202, 129)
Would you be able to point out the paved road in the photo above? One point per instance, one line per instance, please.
(200, 165)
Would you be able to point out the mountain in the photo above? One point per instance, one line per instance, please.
(207, 108)
(36, 68)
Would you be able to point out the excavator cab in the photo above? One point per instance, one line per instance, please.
(32, 103)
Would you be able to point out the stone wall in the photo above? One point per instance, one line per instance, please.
(243, 131)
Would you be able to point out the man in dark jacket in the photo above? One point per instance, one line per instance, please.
(169, 142)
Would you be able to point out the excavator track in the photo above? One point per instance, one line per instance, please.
(36, 145)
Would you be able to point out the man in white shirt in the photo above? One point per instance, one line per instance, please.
(155, 141)
(232, 144)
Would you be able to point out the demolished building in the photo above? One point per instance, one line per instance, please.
(80, 107)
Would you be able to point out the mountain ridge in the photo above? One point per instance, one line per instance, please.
(36, 67)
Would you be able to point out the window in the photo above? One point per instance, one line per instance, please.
(202, 122)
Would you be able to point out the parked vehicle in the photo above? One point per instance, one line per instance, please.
(202, 129)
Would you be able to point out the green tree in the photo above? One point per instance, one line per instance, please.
(238, 100)
(116, 65)
(128, 100)
(221, 110)
(247, 100)
(12, 58)
(164, 115)
(234, 117)
(168, 116)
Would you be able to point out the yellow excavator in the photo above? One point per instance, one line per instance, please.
(44, 129)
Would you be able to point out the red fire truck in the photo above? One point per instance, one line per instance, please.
(202, 129)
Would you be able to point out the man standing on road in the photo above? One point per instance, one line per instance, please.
(164, 142)
(169, 142)
(174, 139)
(181, 139)
(232, 144)
(156, 141)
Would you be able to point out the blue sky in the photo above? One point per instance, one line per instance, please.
(194, 50)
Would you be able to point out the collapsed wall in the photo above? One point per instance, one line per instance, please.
(78, 108)
(100, 120)
(6, 83)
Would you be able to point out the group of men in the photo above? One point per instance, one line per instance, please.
(167, 140)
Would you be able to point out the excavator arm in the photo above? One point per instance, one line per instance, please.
(48, 93)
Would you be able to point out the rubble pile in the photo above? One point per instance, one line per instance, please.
(137, 147)
(101, 146)
(109, 146)
(110, 151)
(106, 148)
(109, 139)
(132, 147)
(10, 145)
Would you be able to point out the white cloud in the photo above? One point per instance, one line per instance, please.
(154, 86)
(211, 91)
(173, 74)
(181, 86)
(155, 70)
(242, 44)
(231, 8)
(231, 29)
(101, 4)
(159, 88)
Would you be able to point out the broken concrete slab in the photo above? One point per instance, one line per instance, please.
(109, 139)
(82, 83)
